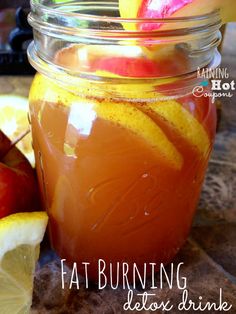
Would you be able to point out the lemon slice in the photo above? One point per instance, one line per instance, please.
(139, 123)
(121, 113)
(44, 89)
(20, 236)
(185, 123)
(14, 122)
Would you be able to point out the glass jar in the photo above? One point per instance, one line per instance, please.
(122, 128)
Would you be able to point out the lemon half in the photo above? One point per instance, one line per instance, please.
(14, 122)
(20, 236)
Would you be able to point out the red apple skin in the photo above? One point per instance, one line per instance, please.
(127, 66)
(18, 184)
(159, 9)
(161, 65)
(142, 67)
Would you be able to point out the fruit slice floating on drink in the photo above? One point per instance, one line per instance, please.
(183, 122)
(20, 237)
(136, 121)
(122, 61)
(122, 114)
(172, 111)
(161, 9)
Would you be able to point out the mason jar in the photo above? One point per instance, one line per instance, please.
(123, 127)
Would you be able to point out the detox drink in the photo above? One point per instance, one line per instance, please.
(120, 178)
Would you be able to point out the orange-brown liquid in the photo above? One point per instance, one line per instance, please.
(108, 193)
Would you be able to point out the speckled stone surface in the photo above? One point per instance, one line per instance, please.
(209, 255)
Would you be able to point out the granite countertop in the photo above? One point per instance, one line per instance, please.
(209, 255)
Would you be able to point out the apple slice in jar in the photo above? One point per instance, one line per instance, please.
(126, 61)
(83, 58)
(150, 64)
(161, 9)
(114, 61)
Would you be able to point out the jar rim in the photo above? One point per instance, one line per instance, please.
(64, 76)
(38, 4)
(58, 26)
(103, 25)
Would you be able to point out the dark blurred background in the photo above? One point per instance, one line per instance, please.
(15, 35)
(13, 3)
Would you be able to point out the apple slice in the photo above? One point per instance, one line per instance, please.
(82, 57)
(199, 7)
(173, 8)
(128, 67)
(122, 61)
(159, 9)
(159, 63)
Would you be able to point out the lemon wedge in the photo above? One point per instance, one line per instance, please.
(184, 122)
(14, 122)
(20, 236)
